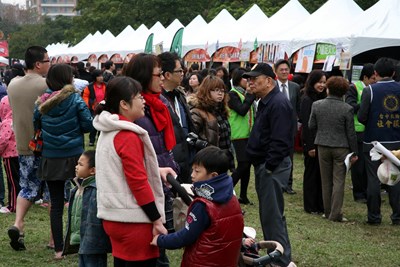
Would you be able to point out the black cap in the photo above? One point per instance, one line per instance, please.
(260, 69)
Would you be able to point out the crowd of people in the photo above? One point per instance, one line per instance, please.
(155, 118)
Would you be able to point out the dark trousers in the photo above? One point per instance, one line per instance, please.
(93, 260)
(374, 193)
(312, 189)
(92, 136)
(11, 166)
(359, 172)
(242, 172)
(269, 187)
(56, 189)
(2, 187)
(123, 263)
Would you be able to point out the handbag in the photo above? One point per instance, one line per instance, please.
(36, 143)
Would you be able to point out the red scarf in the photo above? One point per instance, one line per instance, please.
(161, 117)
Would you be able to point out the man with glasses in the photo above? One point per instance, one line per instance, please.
(23, 92)
(179, 111)
(269, 146)
(292, 92)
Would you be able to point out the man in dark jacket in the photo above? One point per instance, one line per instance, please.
(269, 146)
(83, 74)
(179, 110)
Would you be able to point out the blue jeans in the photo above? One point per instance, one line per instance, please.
(93, 260)
(269, 187)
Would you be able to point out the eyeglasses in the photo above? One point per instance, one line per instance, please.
(178, 71)
(218, 90)
(158, 75)
(44, 61)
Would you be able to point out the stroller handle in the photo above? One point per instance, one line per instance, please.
(179, 189)
(270, 257)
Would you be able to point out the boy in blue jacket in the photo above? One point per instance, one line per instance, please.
(85, 233)
(214, 221)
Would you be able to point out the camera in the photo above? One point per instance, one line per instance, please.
(193, 139)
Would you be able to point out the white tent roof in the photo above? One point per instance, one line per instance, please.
(193, 35)
(250, 23)
(158, 29)
(222, 29)
(377, 27)
(169, 33)
(290, 14)
(99, 45)
(324, 25)
(118, 45)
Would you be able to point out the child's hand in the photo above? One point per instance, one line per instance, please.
(154, 241)
(158, 228)
(248, 242)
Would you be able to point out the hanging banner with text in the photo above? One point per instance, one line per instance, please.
(197, 55)
(323, 51)
(305, 59)
(3, 49)
(227, 54)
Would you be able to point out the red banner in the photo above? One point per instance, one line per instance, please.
(227, 54)
(3, 49)
(116, 58)
(197, 55)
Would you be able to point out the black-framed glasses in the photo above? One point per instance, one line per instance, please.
(178, 71)
(44, 61)
(158, 75)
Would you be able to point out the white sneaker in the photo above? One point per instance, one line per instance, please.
(4, 210)
(40, 201)
(292, 264)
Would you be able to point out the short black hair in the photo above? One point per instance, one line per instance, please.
(194, 66)
(80, 65)
(280, 62)
(34, 54)
(213, 159)
(91, 156)
(367, 70)
(168, 61)
(384, 67)
(108, 64)
(96, 73)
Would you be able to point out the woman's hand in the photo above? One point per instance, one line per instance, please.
(353, 159)
(311, 153)
(154, 241)
(164, 171)
(158, 228)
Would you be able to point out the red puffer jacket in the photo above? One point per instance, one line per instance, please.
(219, 245)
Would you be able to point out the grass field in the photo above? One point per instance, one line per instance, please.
(315, 241)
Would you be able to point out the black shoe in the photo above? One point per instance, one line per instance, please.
(290, 191)
(245, 201)
(17, 239)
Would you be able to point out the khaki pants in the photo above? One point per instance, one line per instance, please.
(333, 175)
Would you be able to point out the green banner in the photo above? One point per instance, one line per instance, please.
(325, 50)
(176, 45)
(149, 44)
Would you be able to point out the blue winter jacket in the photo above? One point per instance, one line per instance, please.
(63, 117)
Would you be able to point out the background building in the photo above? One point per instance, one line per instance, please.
(53, 8)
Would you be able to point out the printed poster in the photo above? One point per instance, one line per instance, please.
(305, 59)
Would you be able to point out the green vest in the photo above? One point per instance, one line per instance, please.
(240, 125)
(358, 125)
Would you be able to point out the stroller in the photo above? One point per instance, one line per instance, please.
(249, 255)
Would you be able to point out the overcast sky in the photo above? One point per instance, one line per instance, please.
(21, 2)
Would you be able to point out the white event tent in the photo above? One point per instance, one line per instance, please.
(292, 27)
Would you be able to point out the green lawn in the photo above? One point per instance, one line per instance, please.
(315, 241)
